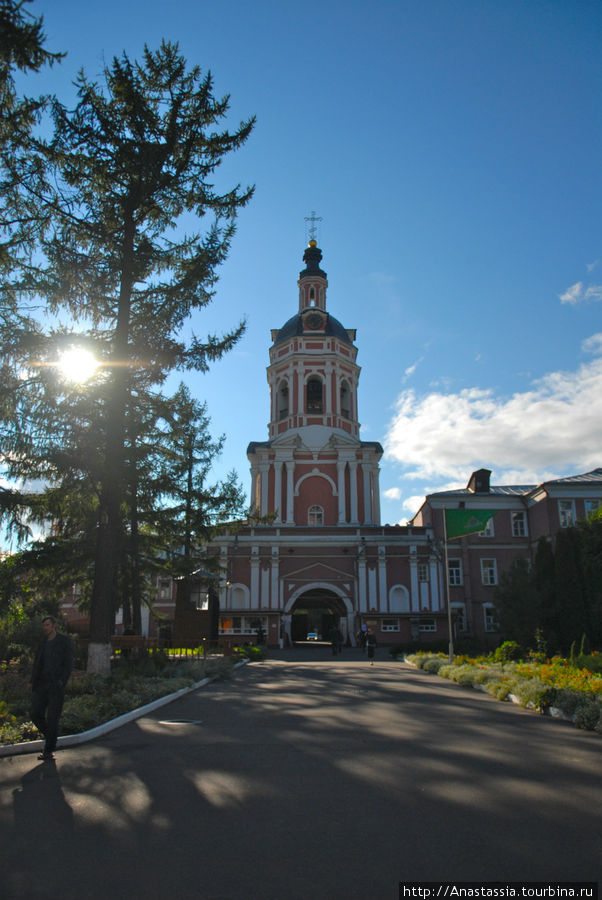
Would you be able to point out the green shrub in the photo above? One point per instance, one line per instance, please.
(591, 661)
(251, 652)
(16, 733)
(567, 701)
(434, 663)
(508, 651)
(588, 715)
(500, 689)
(420, 659)
(532, 692)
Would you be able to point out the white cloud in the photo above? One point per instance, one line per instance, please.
(578, 293)
(591, 266)
(593, 344)
(593, 292)
(411, 369)
(572, 295)
(392, 493)
(554, 427)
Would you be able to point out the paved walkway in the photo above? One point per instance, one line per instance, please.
(306, 776)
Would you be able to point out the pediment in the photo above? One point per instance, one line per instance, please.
(317, 571)
(313, 438)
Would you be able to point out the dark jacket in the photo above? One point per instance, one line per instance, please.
(60, 662)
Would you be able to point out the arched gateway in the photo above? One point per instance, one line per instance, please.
(315, 610)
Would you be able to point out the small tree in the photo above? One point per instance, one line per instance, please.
(517, 605)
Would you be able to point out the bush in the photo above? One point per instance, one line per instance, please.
(588, 715)
(534, 693)
(508, 651)
(251, 652)
(421, 659)
(16, 733)
(434, 663)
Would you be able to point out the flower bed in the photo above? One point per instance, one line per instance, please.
(92, 700)
(554, 687)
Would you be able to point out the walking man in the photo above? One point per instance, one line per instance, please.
(51, 670)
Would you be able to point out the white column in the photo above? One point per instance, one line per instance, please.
(361, 578)
(290, 492)
(264, 468)
(414, 585)
(367, 476)
(353, 491)
(254, 599)
(434, 583)
(382, 580)
(275, 578)
(375, 496)
(300, 394)
(341, 490)
(328, 400)
(254, 477)
(278, 490)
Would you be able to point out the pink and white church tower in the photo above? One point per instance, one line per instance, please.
(317, 555)
(314, 470)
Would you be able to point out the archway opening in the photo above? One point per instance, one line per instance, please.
(315, 614)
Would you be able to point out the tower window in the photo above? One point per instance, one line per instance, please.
(283, 400)
(315, 515)
(315, 403)
(345, 401)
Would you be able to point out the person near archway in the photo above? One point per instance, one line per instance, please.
(336, 639)
(371, 645)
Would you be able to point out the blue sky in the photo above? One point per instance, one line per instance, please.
(452, 149)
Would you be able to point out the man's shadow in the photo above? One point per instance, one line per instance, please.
(39, 804)
(43, 820)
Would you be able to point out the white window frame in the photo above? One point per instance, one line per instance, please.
(459, 611)
(455, 566)
(566, 513)
(488, 571)
(423, 572)
(390, 625)
(315, 515)
(591, 506)
(488, 531)
(242, 624)
(427, 625)
(164, 588)
(519, 523)
(489, 619)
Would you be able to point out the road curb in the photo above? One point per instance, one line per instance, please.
(72, 740)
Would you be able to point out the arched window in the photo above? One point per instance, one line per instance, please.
(345, 397)
(315, 403)
(283, 400)
(239, 597)
(315, 515)
(399, 599)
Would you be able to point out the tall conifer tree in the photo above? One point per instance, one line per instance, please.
(130, 162)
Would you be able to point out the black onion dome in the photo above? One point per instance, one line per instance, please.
(294, 326)
(312, 259)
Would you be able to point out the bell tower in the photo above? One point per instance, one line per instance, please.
(314, 469)
(313, 376)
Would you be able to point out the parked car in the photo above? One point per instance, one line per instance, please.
(313, 636)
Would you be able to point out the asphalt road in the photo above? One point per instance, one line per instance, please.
(307, 776)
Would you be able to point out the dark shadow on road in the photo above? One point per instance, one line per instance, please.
(323, 778)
